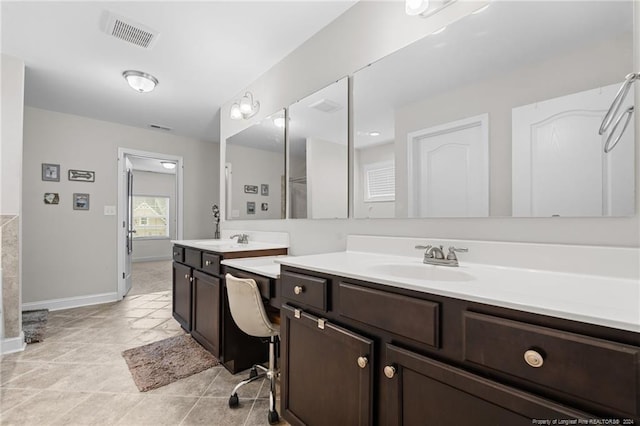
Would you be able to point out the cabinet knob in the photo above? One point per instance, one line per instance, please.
(298, 289)
(207, 262)
(186, 276)
(362, 361)
(533, 358)
(389, 371)
(176, 253)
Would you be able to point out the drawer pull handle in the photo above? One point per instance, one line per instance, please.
(207, 262)
(362, 361)
(390, 371)
(298, 289)
(533, 358)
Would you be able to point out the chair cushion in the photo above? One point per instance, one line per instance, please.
(247, 308)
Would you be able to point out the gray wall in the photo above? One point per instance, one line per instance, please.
(69, 253)
(163, 184)
(367, 32)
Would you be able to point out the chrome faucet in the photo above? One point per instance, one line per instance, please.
(434, 255)
(242, 238)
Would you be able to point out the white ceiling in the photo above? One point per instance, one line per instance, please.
(205, 54)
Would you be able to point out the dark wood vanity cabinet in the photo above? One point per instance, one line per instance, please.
(182, 294)
(200, 306)
(205, 327)
(423, 391)
(444, 361)
(327, 370)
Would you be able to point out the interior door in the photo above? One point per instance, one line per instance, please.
(128, 223)
(560, 168)
(450, 168)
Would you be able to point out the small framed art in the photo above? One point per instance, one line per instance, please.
(51, 198)
(82, 175)
(51, 172)
(251, 189)
(251, 207)
(264, 189)
(80, 201)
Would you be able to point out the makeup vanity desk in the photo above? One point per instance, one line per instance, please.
(200, 303)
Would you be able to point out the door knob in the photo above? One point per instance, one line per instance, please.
(362, 361)
(389, 371)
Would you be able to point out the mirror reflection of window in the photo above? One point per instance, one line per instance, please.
(318, 165)
(494, 63)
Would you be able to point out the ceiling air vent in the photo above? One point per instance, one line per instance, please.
(326, 105)
(130, 31)
(157, 127)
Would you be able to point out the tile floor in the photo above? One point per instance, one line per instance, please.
(77, 375)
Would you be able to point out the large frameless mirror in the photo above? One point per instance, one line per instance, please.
(254, 171)
(318, 134)
(498, 115)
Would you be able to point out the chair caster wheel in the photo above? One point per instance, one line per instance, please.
(234, 401)
(273, 417)
(253, 373)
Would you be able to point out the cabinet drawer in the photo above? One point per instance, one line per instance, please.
(593, 369)
(424, 391)
(211, 263)
(265, 284)
(193, 258)
(404, 316)
(178, 254)
(304, 290)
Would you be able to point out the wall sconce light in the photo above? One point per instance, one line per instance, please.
(245, 108)
(140, 81)
(424, 8)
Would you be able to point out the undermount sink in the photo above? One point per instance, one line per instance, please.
(422, 272)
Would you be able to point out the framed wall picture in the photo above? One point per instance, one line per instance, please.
(251, 207)
(51, 172)
(264, 189)
(51, 198)
(82, 175)
(265, 207)
(80, 201)
(251, 189)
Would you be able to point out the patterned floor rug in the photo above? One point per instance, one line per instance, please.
(34, 325)
(160, 363)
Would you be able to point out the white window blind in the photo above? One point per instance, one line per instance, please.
(380, 182)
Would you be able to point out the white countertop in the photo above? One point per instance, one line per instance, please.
(601, 300)
(265, 265)
(229, 245)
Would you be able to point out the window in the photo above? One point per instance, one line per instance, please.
(379, 181)
(150, 216)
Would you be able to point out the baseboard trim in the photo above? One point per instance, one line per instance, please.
(12, 344)
(151, 259)
(72, 302)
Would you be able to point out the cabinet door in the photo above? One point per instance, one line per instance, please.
(182, 295)
(206, 312)
(427, 392)
(327, 372)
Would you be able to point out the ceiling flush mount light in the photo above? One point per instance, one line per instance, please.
(245, 108)
(168, 165)
(140, 81)
(425, 8)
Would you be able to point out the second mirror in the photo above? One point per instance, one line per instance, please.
(318, 164)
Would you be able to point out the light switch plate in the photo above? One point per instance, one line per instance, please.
(109, 210)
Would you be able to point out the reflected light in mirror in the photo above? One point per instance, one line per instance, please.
(416, 7)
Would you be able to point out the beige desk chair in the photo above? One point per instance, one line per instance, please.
(247, 310)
